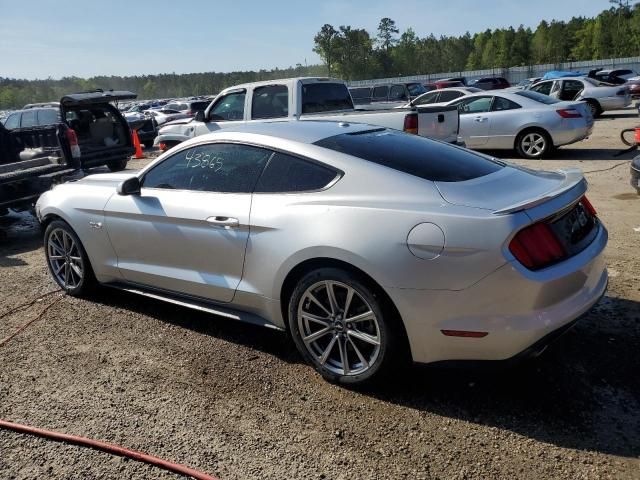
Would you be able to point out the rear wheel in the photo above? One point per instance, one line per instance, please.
(595, 108)
(533, 144)
(148, 144)
(67, 259)
(340, 326)
(117, 165)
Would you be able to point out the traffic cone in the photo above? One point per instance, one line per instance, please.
(136, 143)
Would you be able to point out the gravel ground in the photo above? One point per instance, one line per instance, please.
(237, 402)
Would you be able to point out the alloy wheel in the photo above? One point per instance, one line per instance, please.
(65, 259)
(339, 328)
(534, 144)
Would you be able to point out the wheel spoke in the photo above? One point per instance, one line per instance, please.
(76, 269)
(368, 315)
(365, 337)
(59, 268)
(65, 242)
(315, 318)
(313, 298)
(347, 302)
(333, 304)
(327, 351)
(316, 335)
(56, 257)
(55, 247)
(365, 364)
(344, 357)
(67, 271)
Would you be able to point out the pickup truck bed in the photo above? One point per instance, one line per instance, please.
(30, 164)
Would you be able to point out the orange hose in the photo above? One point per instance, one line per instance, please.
(107, 447)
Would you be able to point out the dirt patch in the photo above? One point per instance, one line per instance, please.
(235, 400)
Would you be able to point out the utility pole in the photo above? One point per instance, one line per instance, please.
(621, 4)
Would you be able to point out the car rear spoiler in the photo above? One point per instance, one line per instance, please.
(574, 178)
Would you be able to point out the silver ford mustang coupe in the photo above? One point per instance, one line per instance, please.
(368, 245)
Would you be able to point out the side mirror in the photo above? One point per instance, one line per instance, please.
(131, 186)
(199, 116)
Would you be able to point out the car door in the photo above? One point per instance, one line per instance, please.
(187, 229)
(543, 87)
(570, 90)
(506, 118)
(475, 119)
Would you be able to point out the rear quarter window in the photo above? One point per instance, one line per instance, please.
(411, 154)
(286, 173)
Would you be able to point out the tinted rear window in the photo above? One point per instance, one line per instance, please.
(325, 97)
(285, 173)
(360, 93)
(412, 154)
(538, 97)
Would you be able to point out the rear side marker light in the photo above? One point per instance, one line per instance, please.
(569, 113)
(72, 138)
(411, 123)
(464, 333)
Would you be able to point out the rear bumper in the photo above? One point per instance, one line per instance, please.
(516, 307)
(569, 135)
(97, 159)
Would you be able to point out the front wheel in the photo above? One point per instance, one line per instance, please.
(340, 326)
(534, 144)
(117, 165)
(67, 259)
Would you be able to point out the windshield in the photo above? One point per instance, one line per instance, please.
(418, 156)
(537, 97)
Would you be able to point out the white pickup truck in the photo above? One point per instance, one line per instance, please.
(305, 99)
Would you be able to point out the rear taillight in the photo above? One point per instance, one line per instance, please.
(411, 123)
(536, 247)
(587, 205)
(72, 138)
(569, 113)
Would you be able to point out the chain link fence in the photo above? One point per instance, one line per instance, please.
(513, 74)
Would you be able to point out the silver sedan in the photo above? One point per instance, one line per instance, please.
(366, 256)
(531, 123)
(599, 96)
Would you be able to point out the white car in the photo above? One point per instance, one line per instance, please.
(531, 123)
(442, 96)
(600, 96)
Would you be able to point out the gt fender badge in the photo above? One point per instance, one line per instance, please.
(95, 224)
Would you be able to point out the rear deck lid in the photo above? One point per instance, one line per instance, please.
(512, 189)
(96, 97)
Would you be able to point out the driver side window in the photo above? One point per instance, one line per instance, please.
(229, 107)
(216, 167)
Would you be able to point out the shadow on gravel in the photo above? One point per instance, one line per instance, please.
(582, 393)
(266, 340)
(614, 116)
(19, 233)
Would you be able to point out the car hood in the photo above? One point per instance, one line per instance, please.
(510, 189)
(105, 179)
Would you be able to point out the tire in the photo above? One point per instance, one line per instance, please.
(370, 345)
(67, 260)
(596, 109)
(148, 144)
(117, 165)
(534, 144)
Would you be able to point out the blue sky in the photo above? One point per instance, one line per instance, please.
(41, 38)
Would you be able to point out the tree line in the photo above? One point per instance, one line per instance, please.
(353, 54)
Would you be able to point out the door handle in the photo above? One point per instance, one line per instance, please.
(226, 222)
(480, 119)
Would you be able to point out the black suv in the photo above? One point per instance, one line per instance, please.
(43, 142)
